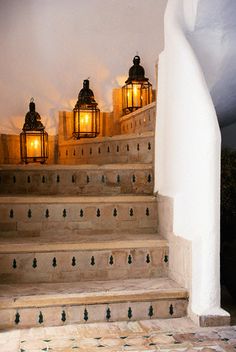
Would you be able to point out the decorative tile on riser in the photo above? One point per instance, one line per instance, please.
(77, 180)
(140, 120)
(118, 149)
(61, 315)
(36, 215)
(69, 266)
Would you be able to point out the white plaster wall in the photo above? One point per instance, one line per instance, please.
(213, 38)
(188, 154)
(49, 46)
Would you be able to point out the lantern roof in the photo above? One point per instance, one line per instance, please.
(32, 119)
(86, 96)
(136, 72)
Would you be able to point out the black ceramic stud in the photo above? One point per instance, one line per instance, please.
(111, 260)
(63, 316)
(171, 309)
(40, 317)
(85, 314)
(34, 264)
(17, 318)
(14, 264)
(150, 311)
(130, 314)
(108, 314)
(73, 263)
(54, 262)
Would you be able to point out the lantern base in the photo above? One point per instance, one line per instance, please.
(79, 135)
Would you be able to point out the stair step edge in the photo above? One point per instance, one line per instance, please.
(52, 199)
(123, 294)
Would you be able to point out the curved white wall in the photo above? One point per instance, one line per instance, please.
(188, 154)
(48, 47)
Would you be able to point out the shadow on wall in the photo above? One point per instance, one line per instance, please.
(228, 220)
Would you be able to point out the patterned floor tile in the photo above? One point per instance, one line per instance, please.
(143, 336)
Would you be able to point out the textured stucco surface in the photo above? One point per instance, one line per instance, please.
(48, 48)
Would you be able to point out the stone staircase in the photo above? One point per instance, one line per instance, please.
(79, 241)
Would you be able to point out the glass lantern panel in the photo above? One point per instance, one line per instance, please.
(146, 95)
(86, 121)
(136, 92)
(34, 146)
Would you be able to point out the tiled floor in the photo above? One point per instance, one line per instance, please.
(149, 336)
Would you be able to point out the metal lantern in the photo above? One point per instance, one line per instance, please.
(86, 114)
(137, 90)
(34, 138)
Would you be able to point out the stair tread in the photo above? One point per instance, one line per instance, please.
(53, 167)
(53, 242)
(117, 137)
(89, 292)
(51, 199)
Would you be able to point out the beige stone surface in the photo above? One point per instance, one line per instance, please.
(130, 148)
(31, 295)
(140, 120)
(92, 241)
(59, 180)
(179, 334)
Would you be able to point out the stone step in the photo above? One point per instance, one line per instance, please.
(127, 148)
(77, 179)
(141, 120)
(70, 259)
(29, 305)
(36, 215)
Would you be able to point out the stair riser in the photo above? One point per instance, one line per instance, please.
(67, 182)
(78, 218)
(124, 311)
(129, 150)
(139, 121)
(83, 265)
